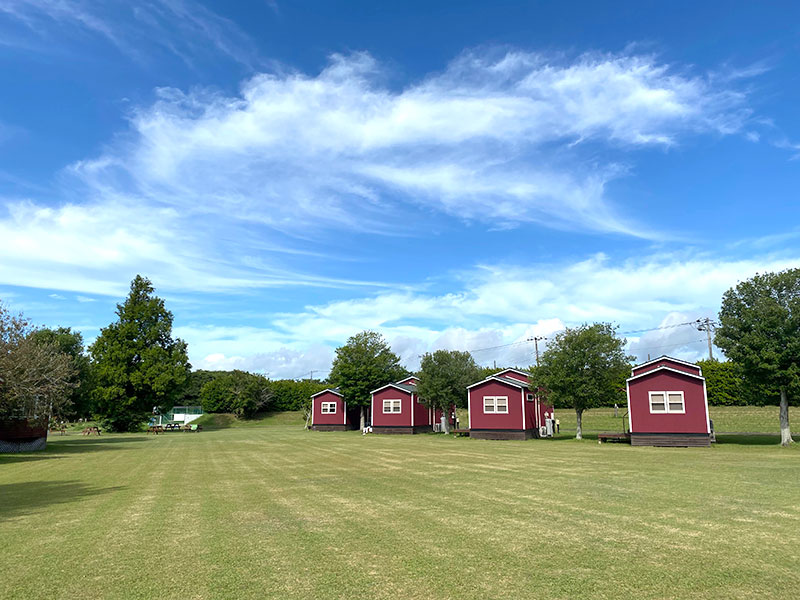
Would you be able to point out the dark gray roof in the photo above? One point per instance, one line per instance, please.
(512, 381)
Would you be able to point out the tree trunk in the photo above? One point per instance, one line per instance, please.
(786, 433)
(363, 417)
(579, 432)
(446, 414)
(308, 418)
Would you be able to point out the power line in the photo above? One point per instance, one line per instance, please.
(658, 328)
(500, 346)
(672, 345)
(701, 325)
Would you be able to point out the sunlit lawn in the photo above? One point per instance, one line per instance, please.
(271, 511)
(752, 419)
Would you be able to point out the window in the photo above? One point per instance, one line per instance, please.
(391, 406)
(530, 397)
(667, 403)
(495, 404)
(328, 408)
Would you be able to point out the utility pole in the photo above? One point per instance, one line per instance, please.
(708, 326)
(535, 340)
(312, 374)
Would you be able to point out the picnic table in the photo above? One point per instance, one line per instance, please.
(61, 428)
(460, 432)
(155, 429)
(91, 430)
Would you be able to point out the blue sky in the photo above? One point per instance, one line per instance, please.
(454, 175)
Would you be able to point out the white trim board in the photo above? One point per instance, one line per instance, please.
(512, 382)
(657, 369)
(395, 386)
(665, 357)
(332, 391)
(514, 370)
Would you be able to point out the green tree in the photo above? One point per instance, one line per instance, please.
(237, 392)
(71, 343)
(582, 368)
(723, 383)
(760, 331)
(137, 363)
(36, 378)
(364, 363)
(190, 391)
(290, 394)
(443, 379)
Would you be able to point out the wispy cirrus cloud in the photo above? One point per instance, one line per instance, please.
(183, 28)
(507, 138)
(97, 248)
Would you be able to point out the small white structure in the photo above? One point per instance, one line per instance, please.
(181, 414)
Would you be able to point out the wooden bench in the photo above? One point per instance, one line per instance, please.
(460, 432)
(91, 430)
(613, 437)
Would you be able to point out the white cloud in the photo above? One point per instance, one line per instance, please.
(210, 192)
(494, 137)
(183, 28)
(98, 248)
(678, 335)
(508, 305)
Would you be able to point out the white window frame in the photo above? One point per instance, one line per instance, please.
(667, 410)
(328, 408)
(491, 407)
(394, 403)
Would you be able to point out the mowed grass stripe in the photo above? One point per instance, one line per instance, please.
(277, 512)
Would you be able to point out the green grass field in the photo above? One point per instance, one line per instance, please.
(263, 509)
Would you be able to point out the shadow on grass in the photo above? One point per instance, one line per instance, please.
(17, 499)
(749, 439)
(59, 447)
(89, 444)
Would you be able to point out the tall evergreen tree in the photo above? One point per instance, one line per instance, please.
(138, 364)
(364, 363)
(760, 331)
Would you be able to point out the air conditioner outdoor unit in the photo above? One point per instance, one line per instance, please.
(543, 431)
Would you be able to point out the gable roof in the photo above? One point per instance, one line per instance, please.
(507, 380)
(665, 357)
(526, 373)
(664, 368)
(411, 389)
(331, 390)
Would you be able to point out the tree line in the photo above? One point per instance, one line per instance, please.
(136, 366)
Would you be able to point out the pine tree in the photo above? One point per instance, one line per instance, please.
(138, 365)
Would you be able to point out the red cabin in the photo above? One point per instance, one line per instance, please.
(503, 407)
(396, 408)
(329, 412)
(668, 404)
